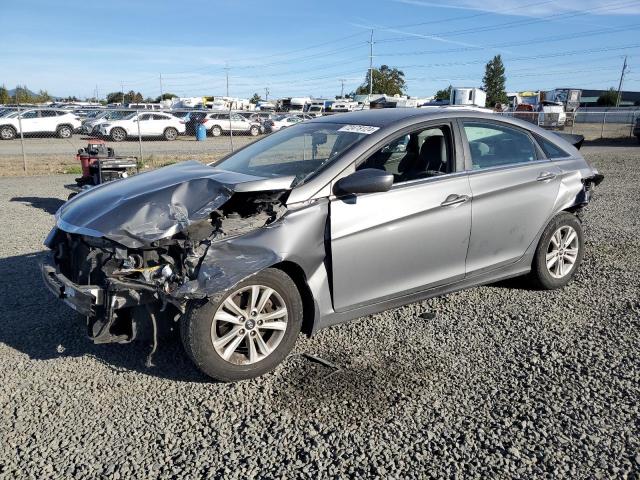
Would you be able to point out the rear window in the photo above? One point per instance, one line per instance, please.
(550, 149)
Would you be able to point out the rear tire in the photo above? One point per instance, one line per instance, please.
(118, 134)
(7, 132)
(64, 131)
(170, 134)
(249, 340)
(216, 131)
(559, 252)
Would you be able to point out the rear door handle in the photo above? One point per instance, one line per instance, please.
(544, 176)
(454, 199)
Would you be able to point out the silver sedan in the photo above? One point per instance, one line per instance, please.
(326, 221)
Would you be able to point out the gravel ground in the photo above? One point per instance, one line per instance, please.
(502, 382)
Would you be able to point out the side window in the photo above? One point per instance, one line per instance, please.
(494, 145)
(419, 154)
(550, 149)
(30, 114)
(159, 117)
(144, 117)
(48, 113)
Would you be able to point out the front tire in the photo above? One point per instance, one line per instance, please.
(559, 252)
(170, 134)
(8, 133)
(118, 134)
(216, 131)
(247, 331)
(254, 131)
(64, 131)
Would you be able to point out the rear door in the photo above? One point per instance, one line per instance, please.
(49, 120)
(410, 238)
(514, 189)
(240, 124)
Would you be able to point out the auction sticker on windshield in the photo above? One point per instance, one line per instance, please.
(366, 129)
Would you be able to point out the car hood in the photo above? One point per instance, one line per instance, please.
(153, 205)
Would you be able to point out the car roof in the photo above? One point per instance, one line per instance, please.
(388, 117)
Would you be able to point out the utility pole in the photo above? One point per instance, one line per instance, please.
(226, 69)
(370, 67)
(266, 94)
(161, 87)
(122, 86)
(342, 80)
(624, 70)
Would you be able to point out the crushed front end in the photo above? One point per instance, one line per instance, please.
(124, 291)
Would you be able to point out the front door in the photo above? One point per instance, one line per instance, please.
(414, 236)
(30, 121)
(147, 125)
(514, 191)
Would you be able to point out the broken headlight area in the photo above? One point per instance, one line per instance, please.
(133, 288)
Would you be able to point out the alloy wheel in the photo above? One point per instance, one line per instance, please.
(249, 324)
(562, 251)
(7, 133)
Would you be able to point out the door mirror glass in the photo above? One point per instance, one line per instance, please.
(367, 180)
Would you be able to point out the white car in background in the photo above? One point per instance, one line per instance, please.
(92, 125)
(281, 121)
(218, 123)
(154, 124)
(44, 121)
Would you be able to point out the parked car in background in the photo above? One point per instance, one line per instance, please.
(186, 117)
(43, 121)
(91, 126)
(154, 124)
(281, 121)
(218, 123)
(327, 221)
(86, 112)
(144, 106)
(4, 111)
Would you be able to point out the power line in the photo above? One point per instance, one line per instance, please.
(512, 24)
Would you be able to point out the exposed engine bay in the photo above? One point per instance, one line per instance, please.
(138, 285)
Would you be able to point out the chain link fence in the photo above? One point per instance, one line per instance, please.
(41, 141)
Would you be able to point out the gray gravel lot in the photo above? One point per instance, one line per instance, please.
(503, 382)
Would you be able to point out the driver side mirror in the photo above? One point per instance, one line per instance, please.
(367, 180)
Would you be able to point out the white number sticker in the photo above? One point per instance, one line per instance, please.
(366, 129)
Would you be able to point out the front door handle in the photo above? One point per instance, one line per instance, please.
(544, 176)
(454, 199)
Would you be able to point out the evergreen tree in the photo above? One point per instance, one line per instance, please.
(494, 82)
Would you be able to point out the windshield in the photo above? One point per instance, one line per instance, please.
(301, 151)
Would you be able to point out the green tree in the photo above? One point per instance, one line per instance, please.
(114, 97)
(443, 94)
(4, 95)
(43, 96)
(22, 94)
(494, 82)
(386, 80)
(255, 99)
(608, 98)
(166, 96)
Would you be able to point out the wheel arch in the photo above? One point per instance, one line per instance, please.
(298, 276)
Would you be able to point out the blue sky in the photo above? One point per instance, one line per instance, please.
(306, 47)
